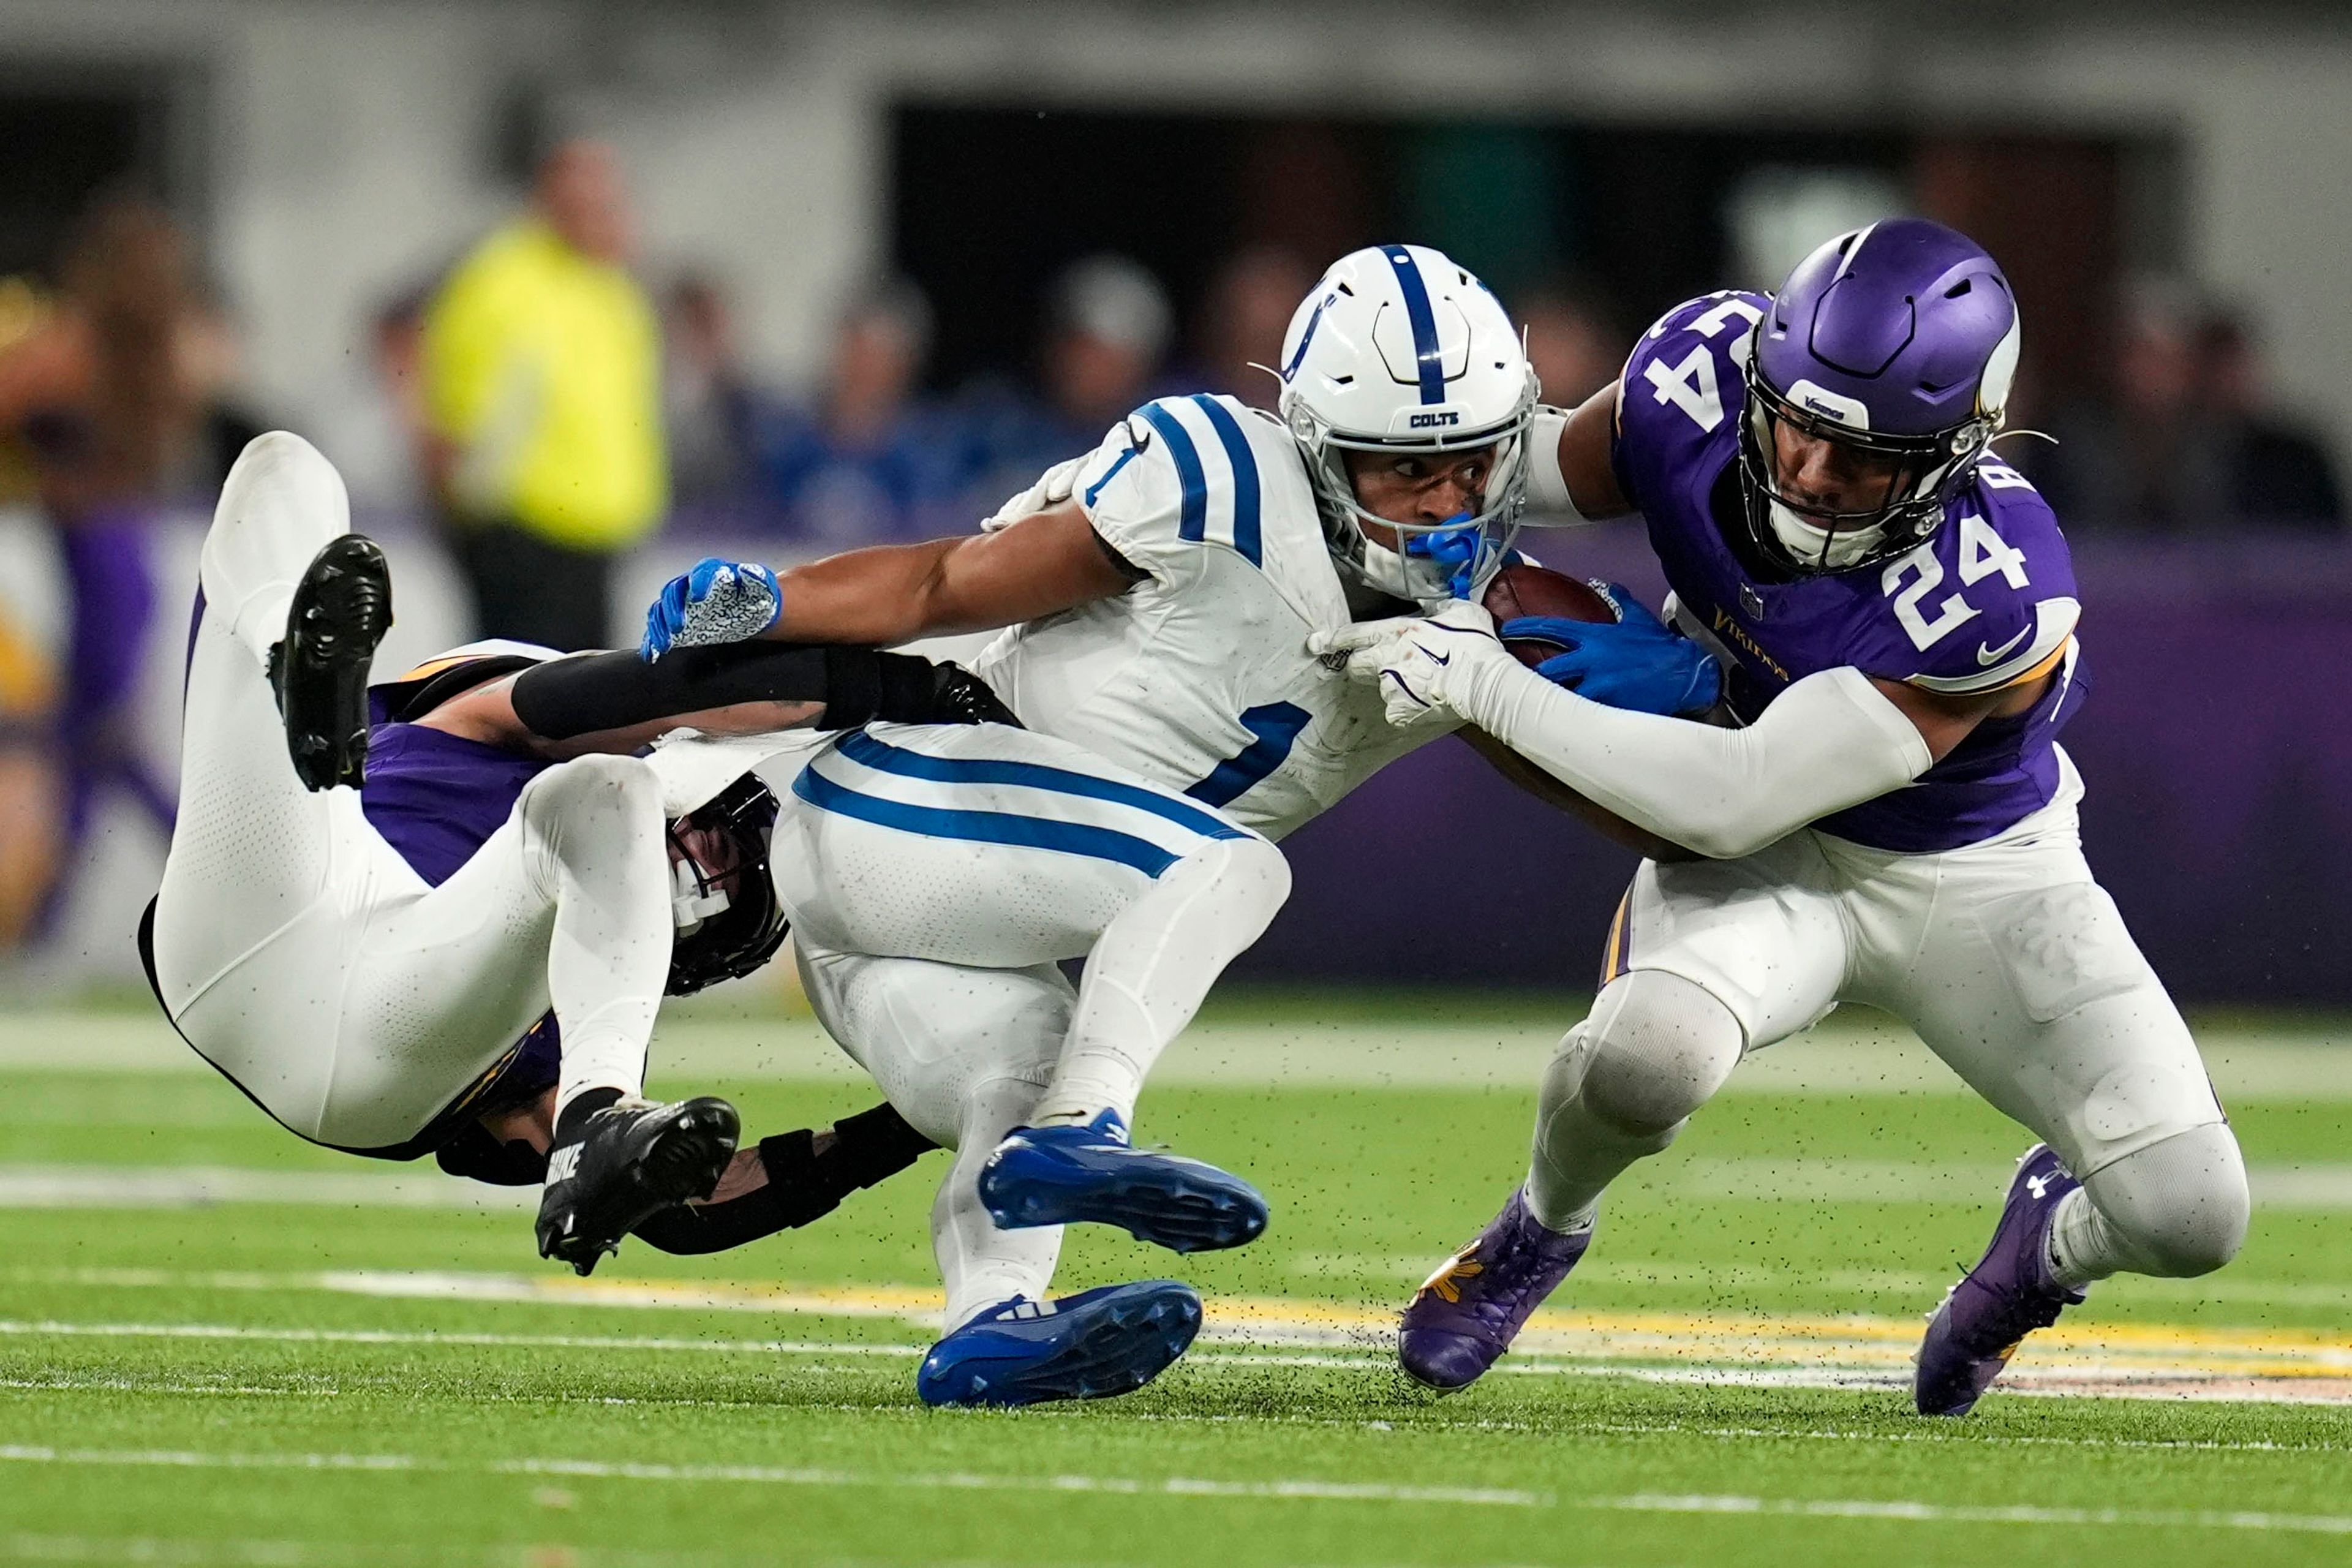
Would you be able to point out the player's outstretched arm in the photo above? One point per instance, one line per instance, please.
(1832, 741)
(616, 702)
(1049, 561)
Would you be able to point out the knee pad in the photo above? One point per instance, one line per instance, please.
(1251, 877)
(1656, 1048)
(2180, 1205)
(624, 788)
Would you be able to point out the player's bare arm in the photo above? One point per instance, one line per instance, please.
(1944, 721)
(1045, 564)
(1582, 450)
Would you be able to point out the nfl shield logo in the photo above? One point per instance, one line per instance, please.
(1751, 601)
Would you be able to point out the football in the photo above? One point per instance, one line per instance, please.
(1524, 588)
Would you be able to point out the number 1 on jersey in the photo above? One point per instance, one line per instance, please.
(1274, 726)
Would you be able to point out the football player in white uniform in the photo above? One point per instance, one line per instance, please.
(377, 930)
(1158, 594)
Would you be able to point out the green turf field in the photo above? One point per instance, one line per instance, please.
(217, 1346)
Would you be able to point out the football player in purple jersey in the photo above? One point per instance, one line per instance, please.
(1893, 611)
(440, 916)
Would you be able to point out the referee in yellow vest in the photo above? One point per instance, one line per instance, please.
(543, 385)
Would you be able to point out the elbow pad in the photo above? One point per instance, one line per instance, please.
(591, 692)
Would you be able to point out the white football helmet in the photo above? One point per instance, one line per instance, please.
(1400, 350)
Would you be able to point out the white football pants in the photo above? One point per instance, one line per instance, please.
(299, 952)
(936, 875)
(2006, 957)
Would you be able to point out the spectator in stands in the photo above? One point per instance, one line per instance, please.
(2141, 459)
(372, 425)
(869, 459)
(542, 380)
(106, 396)
(708, 405)
(1107, 328)
(214, 353)
(2275, 472)
(1575, 340)
(1242, 318)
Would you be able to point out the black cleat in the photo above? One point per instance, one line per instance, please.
(341, 609)
(628, 1162)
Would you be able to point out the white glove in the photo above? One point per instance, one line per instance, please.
(1056, 485)
(1422, 664)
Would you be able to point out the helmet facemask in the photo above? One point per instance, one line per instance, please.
(1923, 473)
(728, 919)
(1431, 562)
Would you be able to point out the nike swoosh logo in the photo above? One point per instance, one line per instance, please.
(1992, 655)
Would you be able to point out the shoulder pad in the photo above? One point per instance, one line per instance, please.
(1682, 388)
(1991, 600)
(1176, 475)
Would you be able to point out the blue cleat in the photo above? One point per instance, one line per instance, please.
(1074, 1175)
(1092, 1345)
(2008, 1295)
(1468, 1313)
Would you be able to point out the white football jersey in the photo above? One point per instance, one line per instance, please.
(1198, 677)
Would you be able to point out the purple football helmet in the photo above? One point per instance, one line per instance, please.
(1898, 342)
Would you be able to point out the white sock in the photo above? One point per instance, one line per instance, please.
(980, 1264)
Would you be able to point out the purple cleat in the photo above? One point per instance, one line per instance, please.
(1465, 1316)
(2008, 1295)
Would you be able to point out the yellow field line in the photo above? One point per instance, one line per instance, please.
(1673, 1335)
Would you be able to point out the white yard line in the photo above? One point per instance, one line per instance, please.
(50, 1328)
(768, 1474)
(203, 1186)
(1854, 1052)
(2178, 1375)
(2321, 1185)
(1299, 1489)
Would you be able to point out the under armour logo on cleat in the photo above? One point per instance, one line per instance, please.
(2039, 1187)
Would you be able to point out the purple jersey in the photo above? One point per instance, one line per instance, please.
(438, 797)
(434, 797)
(1988, 602)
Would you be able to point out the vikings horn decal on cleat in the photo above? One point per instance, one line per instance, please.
(341, 609)
(628, 1162)
(1467, 1315)
(2008, 1295)
(1092, 1345)
(1089, 1175)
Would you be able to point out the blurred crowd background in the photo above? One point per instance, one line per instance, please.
(574, 293)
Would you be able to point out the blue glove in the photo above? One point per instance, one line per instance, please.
(1453, 544)
(1636, 662)
(716, 602)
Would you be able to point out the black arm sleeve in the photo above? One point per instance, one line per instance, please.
(802, 1185)
(588, 692)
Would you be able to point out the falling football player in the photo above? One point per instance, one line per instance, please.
(441, 917)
